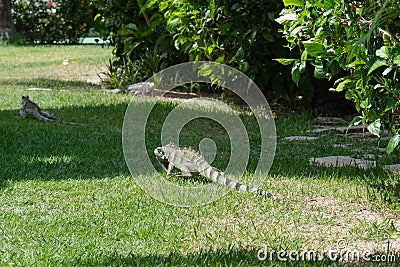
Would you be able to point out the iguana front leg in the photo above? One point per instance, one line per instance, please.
(167, 167)
(169, 170)
(163, 164)
(22, 113)
(185, 173)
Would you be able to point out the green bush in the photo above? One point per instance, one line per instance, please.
(49, 22)
(139, 38)
(242, 34)
(360, 37)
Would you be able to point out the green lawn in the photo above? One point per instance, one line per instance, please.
(67, 197)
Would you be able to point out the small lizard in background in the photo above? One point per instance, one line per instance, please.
(31, 108)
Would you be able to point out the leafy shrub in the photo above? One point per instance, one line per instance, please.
(50, 22)
(138, 35)
(360, 37)
(242, 34)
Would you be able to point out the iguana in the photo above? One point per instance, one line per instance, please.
(31, 108)
(190, 161)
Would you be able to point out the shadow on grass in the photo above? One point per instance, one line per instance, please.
(48, 151)
(49, 83)
(231, 257)
(31, 149)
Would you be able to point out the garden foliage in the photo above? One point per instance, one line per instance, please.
(49, 22)
(359, 37)
(150, 35)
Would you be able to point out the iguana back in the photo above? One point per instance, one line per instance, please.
(190, 161)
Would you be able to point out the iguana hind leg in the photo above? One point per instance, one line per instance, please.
(184, 173)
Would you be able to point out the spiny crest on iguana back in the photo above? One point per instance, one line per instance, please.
(190, 161)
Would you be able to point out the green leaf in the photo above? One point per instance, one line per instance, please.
(375, 127)
(286, 61)
(314, 49)
(329, 4)
(333, 68)
(131, 26)
(304, 55)
(365, 102)
(396, 60)
(297, 69)
(220, 59)
(382, 52)
(236, 7)
(356, 63)
(244, 66)
(173, 23)
(210, 49)
(98, 16)
(387, 71)
(356, 121)
(319, 71)
(302, 66)
(285, 19)
(350, 95)
(178, 42)
(296, 76)
(377, 64)
(391, 105)
(239, 51)
(296, 30)
(206, 70)
(128, 29)
(293, 2)
(393, 143)
(253, 36)
(342, 85)
(268, 37)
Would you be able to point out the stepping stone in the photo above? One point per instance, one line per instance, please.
(357, 130)
(392, 168)
(370, 156)
(341, 129)
(353, 129)
(381, 149)
(342, 161)
(300, 138)
(322, 129)
(330, 121)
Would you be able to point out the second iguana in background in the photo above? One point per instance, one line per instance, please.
(31, 108)
(190, 161)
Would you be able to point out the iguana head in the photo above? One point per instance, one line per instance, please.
(160, 153)
(163, 152)
(24, 99)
